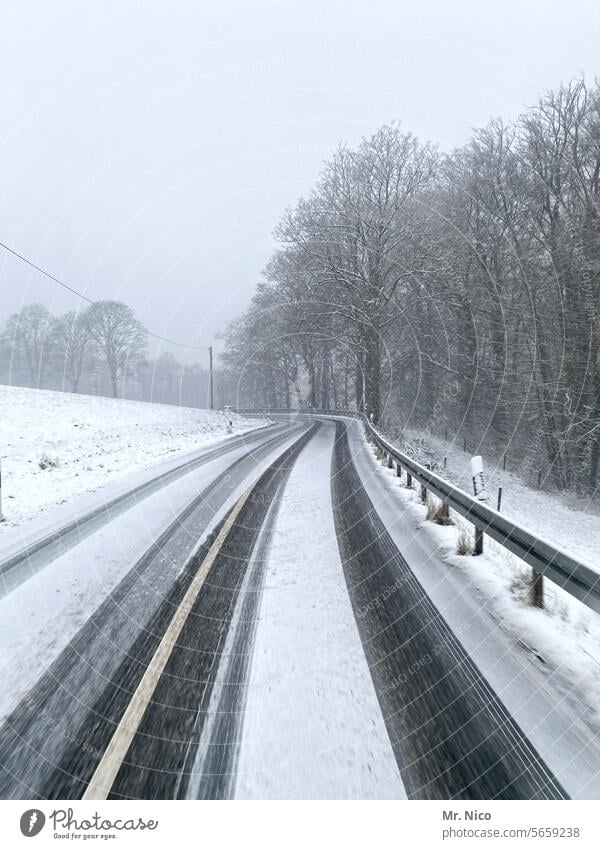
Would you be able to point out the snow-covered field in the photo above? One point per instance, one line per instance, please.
(86, 442)
(568, 523)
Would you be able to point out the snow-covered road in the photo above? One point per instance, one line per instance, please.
(312, 726)
(324, 653)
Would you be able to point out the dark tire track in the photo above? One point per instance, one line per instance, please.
(452, 736)
(159, 761)
(212, 775)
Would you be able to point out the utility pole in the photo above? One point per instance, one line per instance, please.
(210, 366)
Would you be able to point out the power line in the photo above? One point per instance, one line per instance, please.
(89, 300)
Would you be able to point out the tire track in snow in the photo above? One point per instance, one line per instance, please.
(452, 736)
(159, 760)
(312, 726)
(212, 773)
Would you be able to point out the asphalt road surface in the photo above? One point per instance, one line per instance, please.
(163, 715)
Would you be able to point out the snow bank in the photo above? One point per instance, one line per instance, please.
(557, 518)
(83, 442)
(566, 633)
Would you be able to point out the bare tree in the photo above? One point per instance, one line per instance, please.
(74, 342)
(463, 290)
(359, 233)
(120, 337)
(29, 340)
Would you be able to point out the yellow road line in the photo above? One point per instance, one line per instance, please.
(106, 771)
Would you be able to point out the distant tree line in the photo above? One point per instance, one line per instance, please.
(101, 350)
(454, 293)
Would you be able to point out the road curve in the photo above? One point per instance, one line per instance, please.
(308, 662)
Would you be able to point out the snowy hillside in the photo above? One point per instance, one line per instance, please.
(84, 442)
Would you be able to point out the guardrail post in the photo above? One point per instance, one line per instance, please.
(480, 494)
(390, 461)
(536, 592)
(398, 470)
(423, 493)
(408, 480)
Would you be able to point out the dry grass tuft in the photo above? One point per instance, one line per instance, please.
(463, 546)
(438, 513)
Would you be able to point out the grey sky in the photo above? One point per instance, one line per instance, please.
(147, 149)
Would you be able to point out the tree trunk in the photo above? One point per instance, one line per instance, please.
(372, 369)
(594, 458)
(359, 382)
(346, 371)
(325, 382)
(333, 382)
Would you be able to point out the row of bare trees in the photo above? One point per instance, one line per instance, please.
(456, 293)
(102, 350)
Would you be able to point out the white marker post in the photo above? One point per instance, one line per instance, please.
(480, 495)
(1, 513)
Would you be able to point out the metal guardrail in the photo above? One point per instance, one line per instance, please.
(568, 573)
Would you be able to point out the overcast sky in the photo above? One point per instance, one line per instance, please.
(147, 149)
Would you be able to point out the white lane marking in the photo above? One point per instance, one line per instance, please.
(106, 771)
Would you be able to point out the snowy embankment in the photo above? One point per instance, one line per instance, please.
(568, 523)
(566, 634)
(56, 446)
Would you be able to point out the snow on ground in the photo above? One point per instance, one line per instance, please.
(89, 441)
(41, 616)
(566, 632)
(541, 691)
(557, 518)
(312, 726)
